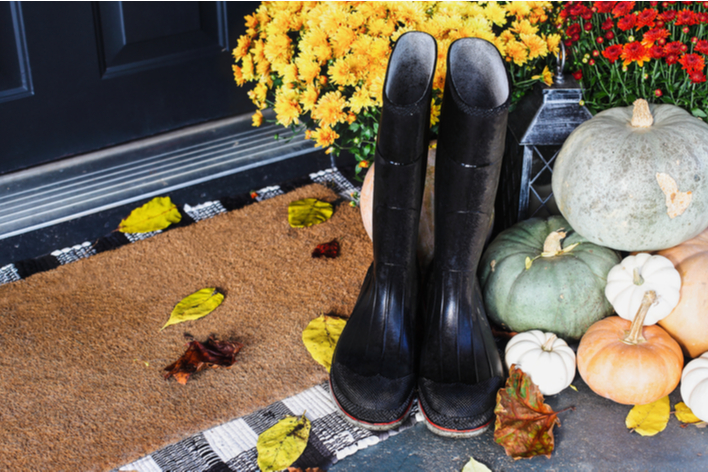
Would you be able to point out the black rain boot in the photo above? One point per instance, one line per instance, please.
(460, 367)
(373, 374)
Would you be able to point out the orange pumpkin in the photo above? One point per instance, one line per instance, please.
(688, 322)
(627, 362)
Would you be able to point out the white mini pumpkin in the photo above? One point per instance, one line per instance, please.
(694, 386)
(544, 357)
(630, 279)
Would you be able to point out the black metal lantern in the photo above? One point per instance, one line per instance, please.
(537, 128)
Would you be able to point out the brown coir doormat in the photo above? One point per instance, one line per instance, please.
(81, 368)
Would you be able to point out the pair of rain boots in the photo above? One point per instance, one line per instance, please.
(405, 338)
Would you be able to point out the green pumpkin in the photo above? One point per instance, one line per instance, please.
(540, 274)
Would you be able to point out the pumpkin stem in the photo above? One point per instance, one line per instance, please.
(635, 330)
(641, 115)
(548, 345)
(638, 279)
(552, 244)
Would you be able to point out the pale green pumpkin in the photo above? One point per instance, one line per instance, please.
(635, 178)
(540, 274)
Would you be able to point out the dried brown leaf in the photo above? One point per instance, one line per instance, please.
(199, 356)
(524, 424)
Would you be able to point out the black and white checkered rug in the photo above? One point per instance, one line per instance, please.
(232, 446)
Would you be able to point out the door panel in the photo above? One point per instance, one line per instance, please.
(15, 74)
(104, 73)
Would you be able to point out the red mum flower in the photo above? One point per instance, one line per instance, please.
(692, 62)
(635, 52)
(627, 22)
(702, 46)
(673, 47)
(622, 9)
(702, 17)
(654, 35)
(656, 52)
(612, 53)
(608, 24)
(605, 7)
(573, 30)
(671, 59)
(686, 17)
(585, 13)
(667, 15)
(578, 74)
(697, 77)
(646, 18)
(658, 92)
(609, 35)
(576, 8)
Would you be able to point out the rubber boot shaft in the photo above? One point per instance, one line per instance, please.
(460, 367)
(373, 374)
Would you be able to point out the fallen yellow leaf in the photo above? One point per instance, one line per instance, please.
(474, 466)
(650, 419)
(320, 338)
(308, 212)
(195, 306)
(158, 213)
(283, 443)
(684, 414)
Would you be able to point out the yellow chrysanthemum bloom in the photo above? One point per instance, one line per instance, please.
(339, 72)
(523, 27)
(434, 113)
(536, 45)
(518, 9)
(553, 43)
(517, 52)
(546, 76)
(242, 46)
(247, 68)
(277, 50)
(342, 41)
(257, 118)
(359, 100)
(309, 97)
(324, 136)
(287, 109)
(495, 13)
(238, 75)
(330, 109)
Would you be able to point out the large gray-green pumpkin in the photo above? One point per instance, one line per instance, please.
(635, 178)
(563, 288)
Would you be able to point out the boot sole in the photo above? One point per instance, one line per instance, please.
(366, 425)
(453, 433)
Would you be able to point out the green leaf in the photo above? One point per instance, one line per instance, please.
(195, 306)
(699, 113)
(650, 419)
(320, 338)
(282, 444)
(474, 466)
(308, 212)
(684, 414)
(158, 213)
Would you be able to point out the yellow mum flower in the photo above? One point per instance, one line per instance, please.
(241, 49)
(518, 9)
(546, 76)
(247, 68)
(251, 21)
(507, 36)
(258, 54)
(523, 27)
(381, 27)
(362, 45)
(339, 72)
(290, 73)
(263, 69)
(359, 100)
(434, 113)
(552, 43)
(342, 41)
(287, 109)
(537, 46)
(308, 68)
(308, 98)
(257, 118)
(277, 49)
(315, 41)
(330, 109)
(260, 91)
(238, 75)
(495, 13)
(324, 136)
(379, 52)
(517, 52)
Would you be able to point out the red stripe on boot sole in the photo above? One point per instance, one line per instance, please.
(458, 431)
(334, 397)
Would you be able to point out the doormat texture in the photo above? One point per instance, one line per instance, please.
(81, 375)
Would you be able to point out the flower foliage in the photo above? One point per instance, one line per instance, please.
(622, 51)
(323, 64)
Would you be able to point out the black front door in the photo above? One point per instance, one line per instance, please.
(79, 76)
